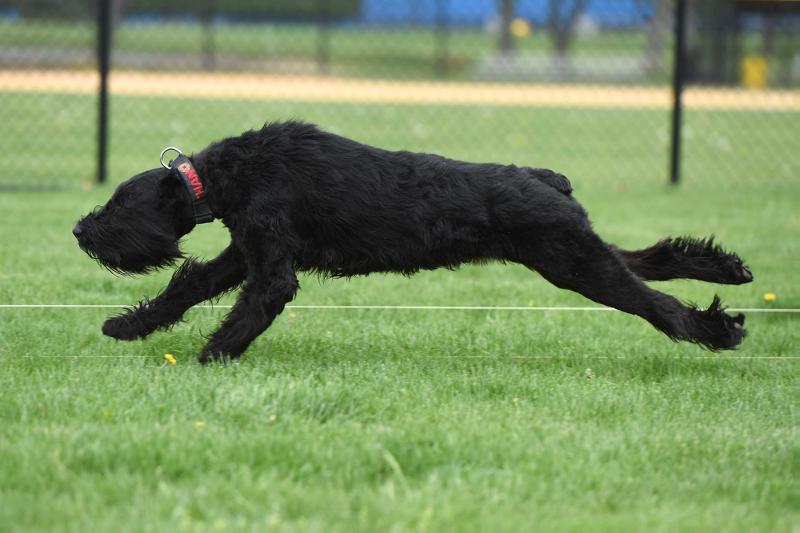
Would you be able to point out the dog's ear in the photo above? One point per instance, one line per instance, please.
(170, 187)
(174, 200)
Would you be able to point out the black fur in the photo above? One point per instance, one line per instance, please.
(298, 199)
(705, 260)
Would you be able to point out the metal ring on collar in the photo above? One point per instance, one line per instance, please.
(164, 151)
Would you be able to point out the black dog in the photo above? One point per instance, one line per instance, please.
(298, 199)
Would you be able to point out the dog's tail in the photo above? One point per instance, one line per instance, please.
(555, 180)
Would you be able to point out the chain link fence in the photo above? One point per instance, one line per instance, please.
(583, 86)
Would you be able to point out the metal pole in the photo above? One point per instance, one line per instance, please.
(677, 89)
(323, 36)
(207, 24)
(506, 15)
(103, 63)
(442, 34)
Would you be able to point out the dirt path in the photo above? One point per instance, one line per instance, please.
(321, 89)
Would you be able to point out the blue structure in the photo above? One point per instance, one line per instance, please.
(606, 13)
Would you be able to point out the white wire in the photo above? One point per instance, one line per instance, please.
(395, 307)
(493, 357)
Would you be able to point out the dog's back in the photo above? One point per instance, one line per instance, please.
(360, 209)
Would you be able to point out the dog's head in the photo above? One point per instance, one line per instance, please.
(139, 228)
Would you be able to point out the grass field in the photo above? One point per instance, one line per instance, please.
(295, 40)
(600, 149)
(364, 420)
(402, 52)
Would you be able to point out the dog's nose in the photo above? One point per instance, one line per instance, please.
(77, 230)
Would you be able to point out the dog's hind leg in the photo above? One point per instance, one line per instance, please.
(192, 283)
(687, 257)
(575, 258)
(271, 283)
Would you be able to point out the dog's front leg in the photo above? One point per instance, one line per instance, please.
(192, 283)
(271, 283)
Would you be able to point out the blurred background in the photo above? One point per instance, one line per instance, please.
(583, 86)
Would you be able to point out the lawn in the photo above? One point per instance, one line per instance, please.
(396, 52)
(602, 150)
(393, 52)
(365, 420)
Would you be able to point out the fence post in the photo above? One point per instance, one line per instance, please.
(441, 63)
(678, 74)
(209, 45)
(323, 36)
(103, 63)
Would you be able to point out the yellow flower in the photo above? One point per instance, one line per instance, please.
(292, 314)
(199, 424)
(770, 297)
(520, 28)
(170, 359)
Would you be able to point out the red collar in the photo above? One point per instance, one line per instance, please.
(194, 186)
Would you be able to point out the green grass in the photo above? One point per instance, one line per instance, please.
(387, 420)
(404, 52)
(600, 149)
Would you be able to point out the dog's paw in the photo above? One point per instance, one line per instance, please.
(737, 333)
(732, 271)
(739, 273)
(125, 327)
(214, 355)
(717, 330)
(705, 260)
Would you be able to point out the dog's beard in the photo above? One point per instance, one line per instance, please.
(128, 250)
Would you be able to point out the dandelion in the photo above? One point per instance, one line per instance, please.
(520, 28)
(271, 420)
(199, 424)
(770, 297)
(292, 314)
(170, 359)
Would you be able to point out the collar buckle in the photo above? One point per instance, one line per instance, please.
(168, 166)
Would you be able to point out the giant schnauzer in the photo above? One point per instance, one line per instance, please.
(297, 199)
